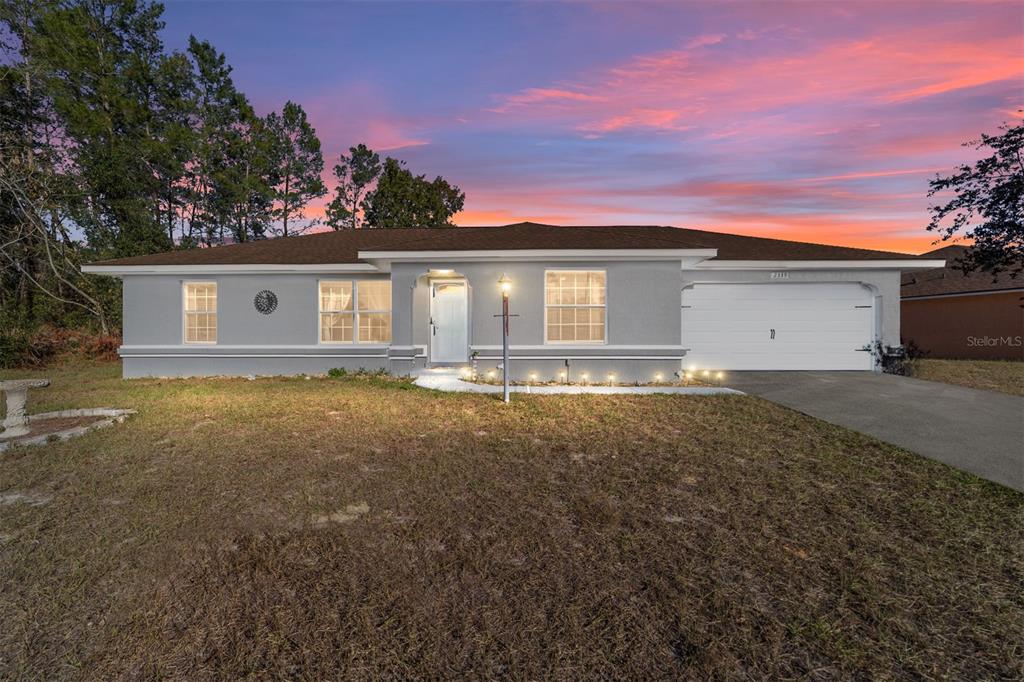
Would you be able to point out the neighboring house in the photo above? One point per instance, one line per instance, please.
(632, 301)
(949, 314)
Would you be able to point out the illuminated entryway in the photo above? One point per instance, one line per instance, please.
(449, 321)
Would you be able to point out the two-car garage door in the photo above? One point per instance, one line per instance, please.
(778, 326)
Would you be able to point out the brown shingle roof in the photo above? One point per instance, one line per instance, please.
(951, 280)
(343, 246)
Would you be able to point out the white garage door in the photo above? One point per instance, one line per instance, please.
(778, 326)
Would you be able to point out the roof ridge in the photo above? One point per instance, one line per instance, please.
(794, 241)
(644, 237)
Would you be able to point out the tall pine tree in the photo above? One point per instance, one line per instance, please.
(354, 173)
(298, 167)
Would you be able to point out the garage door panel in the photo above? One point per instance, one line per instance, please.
(739, 319)
(785, 292)
(817, 326)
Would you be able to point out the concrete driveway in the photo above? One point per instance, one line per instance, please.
(977, 431)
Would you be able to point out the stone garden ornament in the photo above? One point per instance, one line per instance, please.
(16, 423)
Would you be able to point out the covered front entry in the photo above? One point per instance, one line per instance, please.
(798, 326)
(449, 321)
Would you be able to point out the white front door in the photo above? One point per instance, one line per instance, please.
(449, 321)
(824, 325)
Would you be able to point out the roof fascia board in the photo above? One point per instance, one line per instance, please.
(229, 269)
(895, 264)
(986, 292)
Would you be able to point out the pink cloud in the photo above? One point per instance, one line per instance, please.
(706, 39)
(551, 96)
(689, 86)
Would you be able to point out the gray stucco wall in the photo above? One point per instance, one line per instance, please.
(642, 301)
(643, 320)
(284, 342)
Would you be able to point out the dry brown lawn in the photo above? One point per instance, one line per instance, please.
(1005, 376)
(363, 528)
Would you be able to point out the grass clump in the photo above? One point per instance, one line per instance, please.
(343, 528)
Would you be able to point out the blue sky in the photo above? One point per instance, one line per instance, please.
(820, 122)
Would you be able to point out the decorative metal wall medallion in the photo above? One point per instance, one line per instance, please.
(265, 302)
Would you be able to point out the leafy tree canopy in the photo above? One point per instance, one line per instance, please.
(987, 205)
(402, 199)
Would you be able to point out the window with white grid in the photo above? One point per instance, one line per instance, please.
(337, 312)
(574, 306)
(200, 305)
(355, 312)
(374, 308)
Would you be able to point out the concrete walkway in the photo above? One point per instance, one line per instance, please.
(977, 431)
(444, 379)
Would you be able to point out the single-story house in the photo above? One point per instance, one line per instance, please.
(949, 314)
(633, 301)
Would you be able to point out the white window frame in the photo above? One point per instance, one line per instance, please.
(185, 311)
(355, 315)
(602, 342)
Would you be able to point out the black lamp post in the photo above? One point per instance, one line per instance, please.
(506, 286)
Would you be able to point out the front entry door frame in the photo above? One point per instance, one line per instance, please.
(434, 330)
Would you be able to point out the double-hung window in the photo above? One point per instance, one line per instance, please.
(574, 306)
(355, 311)
(200, 305)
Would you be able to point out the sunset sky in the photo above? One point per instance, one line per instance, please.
(811, 121)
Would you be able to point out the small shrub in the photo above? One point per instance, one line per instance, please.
(20, 348)
(337, 372)
(897, 359)
(14, 348)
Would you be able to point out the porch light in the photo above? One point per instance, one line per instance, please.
(505, 284)
(443, 272)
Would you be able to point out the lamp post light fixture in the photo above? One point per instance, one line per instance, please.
(505, 284)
